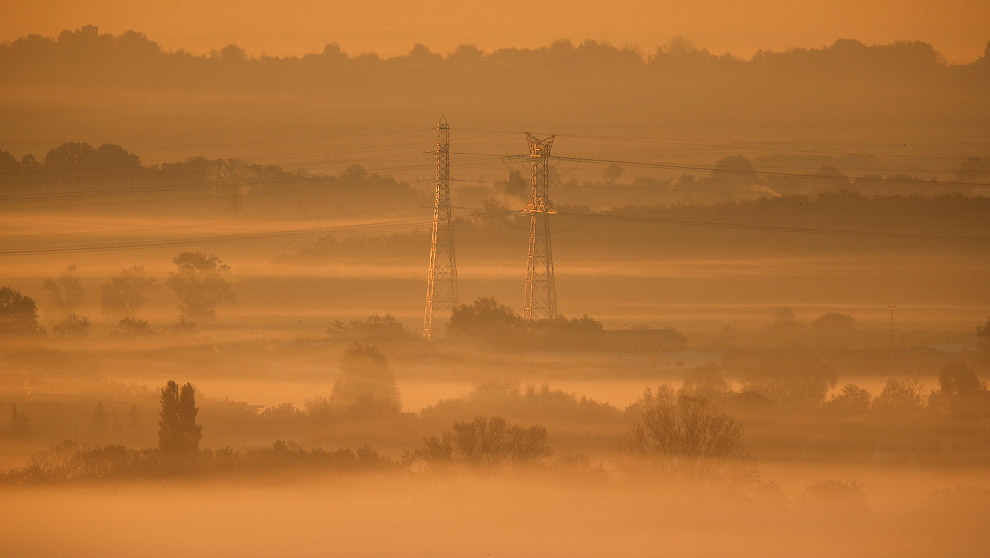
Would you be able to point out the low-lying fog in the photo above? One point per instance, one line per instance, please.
(404, 515)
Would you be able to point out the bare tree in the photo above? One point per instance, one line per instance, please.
(690, 440)
(900, 395)
(487, 442)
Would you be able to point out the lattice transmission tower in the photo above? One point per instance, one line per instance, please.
(441, 281)
(541, 297)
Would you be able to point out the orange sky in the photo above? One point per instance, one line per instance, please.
(959, 29)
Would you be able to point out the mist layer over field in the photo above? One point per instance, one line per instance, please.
(760, 329)
(371, 516)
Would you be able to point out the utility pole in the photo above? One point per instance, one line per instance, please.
(441, 281)
(891, 307)
(541, 296)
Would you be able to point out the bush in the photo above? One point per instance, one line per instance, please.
(374, 329)
(132, 327)
(72, 326)
(182, 326)
(486, 442)
(833, 321)
(67, 461)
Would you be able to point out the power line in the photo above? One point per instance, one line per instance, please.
(728, 145)
(728, 170)
(774, 228)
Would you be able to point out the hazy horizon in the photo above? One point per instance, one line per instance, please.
(957, 29)
(264, 293)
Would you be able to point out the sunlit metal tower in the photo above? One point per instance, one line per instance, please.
(441, 281)
(541, 297)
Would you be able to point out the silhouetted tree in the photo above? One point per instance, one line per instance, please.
(515, 185)
(200, 283)
(900, 395)
(132, 327)
(852, 399)
(18, 314)
(232, 54)
(8, 163)
(126, 292)
(373, 329)
(486, 442)
(983, 335)
(612, 173)
(169, 432)
(366, 385)
(190, 432)
(792, 380)
(74, 156)
(958, 389)
(733, 174)
(689, 439)
(20, 424)
(560, 332)
(181, 326)
(354, 173)
(782, 317)
(485, 318)
(58, 462)
(178, 433)
(72, 326)
(706, 382)
(539, 403)
(65, 292)
(958, 378)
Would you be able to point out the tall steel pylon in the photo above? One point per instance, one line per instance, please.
(441, 281)
(541, 296)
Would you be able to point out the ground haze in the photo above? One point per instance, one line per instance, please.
(770, 260)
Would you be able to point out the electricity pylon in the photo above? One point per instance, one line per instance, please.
(541, 297)
(441, 281)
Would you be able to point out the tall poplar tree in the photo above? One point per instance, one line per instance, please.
(191, 432)
(168, 425)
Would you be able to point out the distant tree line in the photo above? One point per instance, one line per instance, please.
(200, 282)
(85, 51)
(87, 175)
(701, 435)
